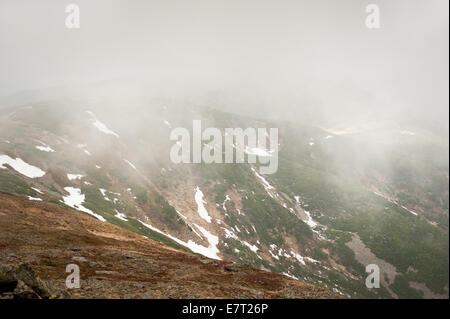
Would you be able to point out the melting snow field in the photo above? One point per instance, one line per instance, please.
(131, 164)
(230, 234)
(200, 203)
(45, 148)
(266, 184)
(180, 214)
(210, 251)
(252, 247)
(257, 151)
(103, 191)
(34, 198)
(227, 198)
(302, 259)
(394, 202)
(72, 177)
(76, 199)
(309, 221)
(37, 190)
(121, 216)
(100, 126)
(21, 166)
(289, 275)
(414, 213)
(292, 254)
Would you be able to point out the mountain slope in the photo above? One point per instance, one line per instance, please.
(115, 263)
(333, 206)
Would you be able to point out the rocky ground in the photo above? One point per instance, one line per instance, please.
(38, 240)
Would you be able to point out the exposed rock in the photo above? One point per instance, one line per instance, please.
(25, 273)
(21, 282)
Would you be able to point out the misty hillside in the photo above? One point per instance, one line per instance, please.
(342, 198)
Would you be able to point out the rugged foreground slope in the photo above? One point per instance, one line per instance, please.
(337, 203)
(116, 263)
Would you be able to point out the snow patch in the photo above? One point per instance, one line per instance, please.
(76, 200)
(302, 259)
(266, 184)
(289, 275)
(103, 191)
(414, 213)
(210, 251)
(100, 126)
(227, 198)
(230, 234)
(311, 223)
(20, 166)
(121, 216)
(180, 214)
(252, 247)
(46, 148)
(34, 198)
(37, 190)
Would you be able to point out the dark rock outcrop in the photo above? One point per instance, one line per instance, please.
(21, 282)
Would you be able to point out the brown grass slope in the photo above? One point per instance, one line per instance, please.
(116, 263)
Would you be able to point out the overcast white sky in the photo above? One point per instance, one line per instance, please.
(279, 55)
